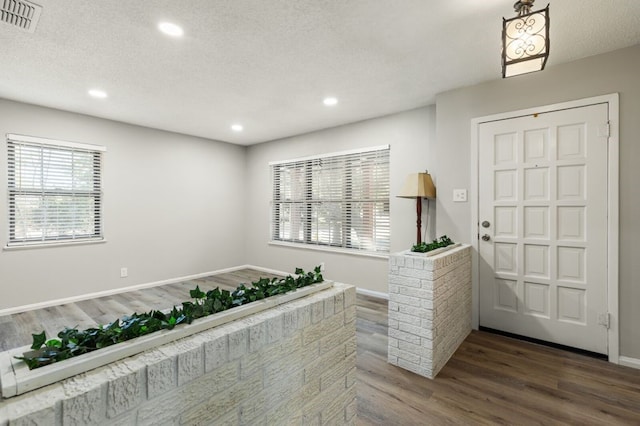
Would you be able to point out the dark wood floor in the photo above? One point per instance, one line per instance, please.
(490, 380)
(16, 329)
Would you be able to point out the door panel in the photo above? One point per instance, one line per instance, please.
(542, 188)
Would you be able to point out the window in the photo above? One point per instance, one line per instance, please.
(55, 192)
(336, 200)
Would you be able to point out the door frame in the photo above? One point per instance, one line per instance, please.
(612, 101)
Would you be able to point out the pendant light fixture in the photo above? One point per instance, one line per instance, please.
(525, 40)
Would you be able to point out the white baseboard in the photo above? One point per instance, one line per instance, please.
(95, 295)
(86, 296)
(629, 362)
(359, 290)
(371, 293)
(265, 270)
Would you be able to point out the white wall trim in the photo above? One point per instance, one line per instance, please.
(332, 154)
(371, 293)
(613, 336)
(95, 295)
(350, 252)
(72, 299)
(359, 290)
(629, 362)
(54, 142)
(265, 270)
(613, 229)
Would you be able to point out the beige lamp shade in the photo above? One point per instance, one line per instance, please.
(418, 185)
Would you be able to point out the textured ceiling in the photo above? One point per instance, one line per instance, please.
(269, 63)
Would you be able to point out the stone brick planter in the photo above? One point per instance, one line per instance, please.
(429, 308)
(291, 363)
(16, 378)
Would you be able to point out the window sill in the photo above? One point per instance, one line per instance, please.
(41, 245)
(330, 249)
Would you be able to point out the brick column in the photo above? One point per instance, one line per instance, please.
(429, 308)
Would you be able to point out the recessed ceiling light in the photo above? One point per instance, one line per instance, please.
(237, 127)
(330, 101)
(97, 93)
(171, 29)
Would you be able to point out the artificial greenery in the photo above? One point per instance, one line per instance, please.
(72, 342)
(425, 247)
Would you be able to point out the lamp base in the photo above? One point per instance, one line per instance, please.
(419, 221)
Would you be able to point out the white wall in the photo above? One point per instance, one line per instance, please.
(617, 71)
(410, 134)
(171, 208)
(172, 201)
(171, 204)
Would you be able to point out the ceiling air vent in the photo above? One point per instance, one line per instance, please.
(20, 13)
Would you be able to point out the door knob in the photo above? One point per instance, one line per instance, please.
(486, 224)
(486, 237)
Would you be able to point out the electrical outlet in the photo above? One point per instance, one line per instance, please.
(459, 195)
(321, 266)
(124, 272)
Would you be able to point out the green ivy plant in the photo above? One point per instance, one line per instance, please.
(425, 247)
(72, 342)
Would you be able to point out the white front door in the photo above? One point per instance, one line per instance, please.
(543, 226)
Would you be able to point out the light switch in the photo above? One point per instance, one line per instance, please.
(459, 195)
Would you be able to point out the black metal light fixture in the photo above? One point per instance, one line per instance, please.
(525, 40)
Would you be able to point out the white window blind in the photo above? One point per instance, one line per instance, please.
(336, 200)
(54, 189)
